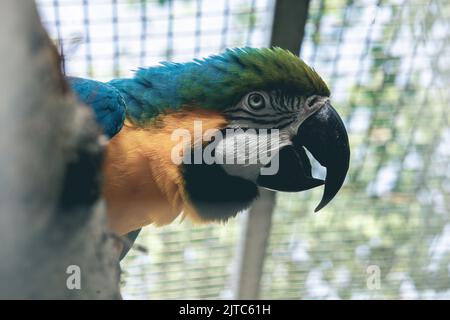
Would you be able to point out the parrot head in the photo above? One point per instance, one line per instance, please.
(266, 100)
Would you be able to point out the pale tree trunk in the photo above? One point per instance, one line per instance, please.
(51, 221)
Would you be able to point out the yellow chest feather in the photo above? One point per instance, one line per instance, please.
(142, 184)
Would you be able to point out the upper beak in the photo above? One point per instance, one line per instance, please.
(324, 135)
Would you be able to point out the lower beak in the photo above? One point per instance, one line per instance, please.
(324, 135)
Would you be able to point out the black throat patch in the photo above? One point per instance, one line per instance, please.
(216, 195)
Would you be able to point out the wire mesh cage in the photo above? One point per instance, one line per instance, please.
(387, 235)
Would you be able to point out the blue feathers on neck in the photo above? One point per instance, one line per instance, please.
(170, 86)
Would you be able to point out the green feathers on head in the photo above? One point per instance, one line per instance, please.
(219, 81)
(227, 77)
(274, 69)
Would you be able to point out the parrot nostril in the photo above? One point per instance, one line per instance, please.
(312, 101)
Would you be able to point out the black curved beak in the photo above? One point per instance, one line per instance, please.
(324, 135)
(294, 172)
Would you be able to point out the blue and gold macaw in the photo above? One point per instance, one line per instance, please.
(244, 89)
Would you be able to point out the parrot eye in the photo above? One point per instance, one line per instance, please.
(256, 101)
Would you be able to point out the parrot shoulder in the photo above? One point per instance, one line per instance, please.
(106, 101)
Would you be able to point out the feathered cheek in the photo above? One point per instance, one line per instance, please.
(191, 131)
(245, 153)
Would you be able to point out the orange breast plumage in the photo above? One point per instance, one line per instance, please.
(142, 183)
